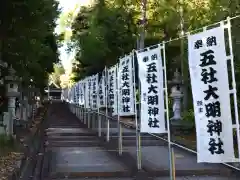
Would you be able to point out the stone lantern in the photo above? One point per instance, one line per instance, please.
(12, 93)
(3, 123)
(176, 95)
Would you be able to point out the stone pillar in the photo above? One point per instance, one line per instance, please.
(8, 124)
(24, 108)
(12, 93)
(176, 95)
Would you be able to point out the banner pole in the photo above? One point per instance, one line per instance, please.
(138, 134)
(106, 110)
(233, 82)
(170, 147)
(118, 116)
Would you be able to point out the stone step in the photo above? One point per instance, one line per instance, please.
(75, 162)
(76, 142)
(71, 137)
(73, 143)
(132, 137)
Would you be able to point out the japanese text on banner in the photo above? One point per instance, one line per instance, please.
(125, 86)
(211, 98)
(77, 93)
(81, 93)
(87, 92)
(102, 90)
(112, 89)
(152, 91)
(94, 91)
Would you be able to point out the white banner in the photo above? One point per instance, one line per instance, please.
(152, 92)
(72, 95)
(125, 86)
(68, 95)
(87, 92)
(94, 93)
(112, 89)
(81, 93)
(102, 90)
(77, 93)
(210, 89)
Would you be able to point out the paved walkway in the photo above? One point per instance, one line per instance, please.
(74, 151)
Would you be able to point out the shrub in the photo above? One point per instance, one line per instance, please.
(6, 141)
(189, 116)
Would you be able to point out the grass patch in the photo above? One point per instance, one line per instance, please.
(7, 144)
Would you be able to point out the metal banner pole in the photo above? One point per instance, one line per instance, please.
(118, 117)
(138, 134)
(108, 125)
(85, 116)
(106, 110)
(82, 113)
(77, 111)
(170, 146)
(76, 114)
(233, 81)
(98, 110)
(120, 139)
(88, 122)
(99, 124)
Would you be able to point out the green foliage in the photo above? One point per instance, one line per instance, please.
(109, 29)
(28, 42)
(6, 141)
(101, 34)
(189, 116)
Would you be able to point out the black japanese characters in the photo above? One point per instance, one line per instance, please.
(152, 97)
(210, 103)
(125, 86)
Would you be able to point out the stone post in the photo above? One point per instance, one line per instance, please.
(12, 93)
(24, 108)
(176, 95)
(7, 123)
(32, 101)
(3, 100)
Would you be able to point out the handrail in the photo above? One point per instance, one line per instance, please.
(173, 143)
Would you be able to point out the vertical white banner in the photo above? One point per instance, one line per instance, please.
(67, 95)
(72, 95)
(152, 92)
(94, 93)
(81, 93)
(102, 91)
(211, 98)
(112, 89)
(87, 92)
(77, 93)
(125, 86)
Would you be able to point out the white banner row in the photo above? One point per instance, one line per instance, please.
(115, 88)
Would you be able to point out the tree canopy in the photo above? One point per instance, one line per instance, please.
(28, 41)
(106, 30)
